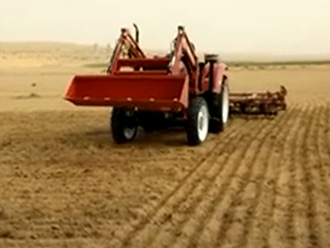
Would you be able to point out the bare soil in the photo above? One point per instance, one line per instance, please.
(261, 183)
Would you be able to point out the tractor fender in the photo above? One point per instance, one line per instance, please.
(219, 74)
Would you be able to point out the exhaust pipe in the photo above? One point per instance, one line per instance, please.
(136, 33)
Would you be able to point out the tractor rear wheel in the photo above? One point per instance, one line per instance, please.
(123, 125)
(198, 121)
(220, 117)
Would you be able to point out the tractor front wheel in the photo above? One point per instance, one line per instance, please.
(198, 121)
(123, 125)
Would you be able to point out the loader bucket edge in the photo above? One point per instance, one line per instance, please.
(151, 92)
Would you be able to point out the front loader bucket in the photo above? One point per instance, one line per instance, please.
(146, 92)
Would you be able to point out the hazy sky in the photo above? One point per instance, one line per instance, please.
(278, 26)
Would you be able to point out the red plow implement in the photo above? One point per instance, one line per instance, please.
(268, 103)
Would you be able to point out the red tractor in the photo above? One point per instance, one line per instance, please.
(154, 92)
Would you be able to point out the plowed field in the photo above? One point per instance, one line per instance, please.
(261, 183)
